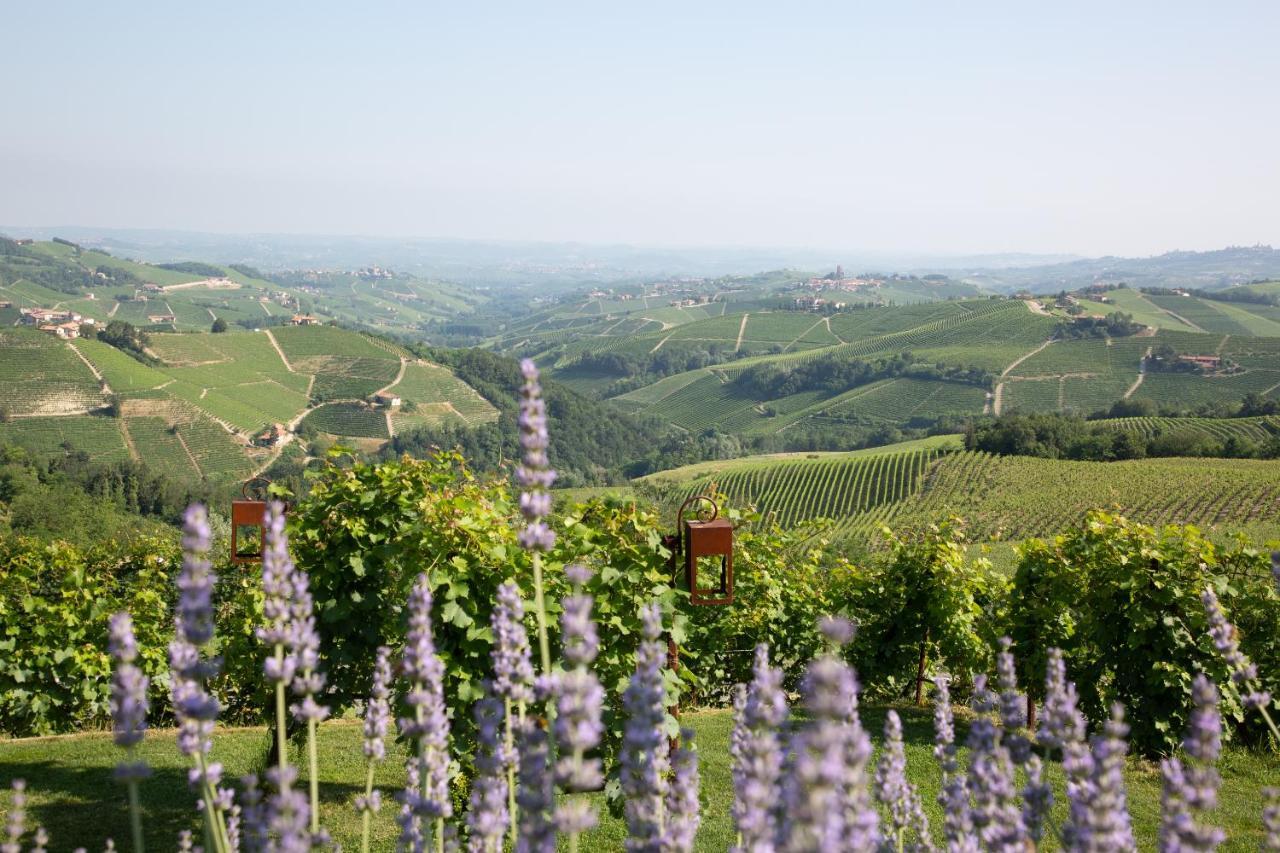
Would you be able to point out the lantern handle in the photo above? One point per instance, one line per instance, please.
(244, 489)
(715, 513)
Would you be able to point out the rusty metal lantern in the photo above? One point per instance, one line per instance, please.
(701, 538)
(249, 513)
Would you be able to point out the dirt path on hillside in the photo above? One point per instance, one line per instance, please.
(276, 344)
(742, 327)
(827, 321)
(1182, 319)
(114, 309)
(1035, 307)
(394, 382)
(998, 397)
(805, 332)
(191, 456)
(106, 389)
(659, 344)
(1142, 374)
(128, 440)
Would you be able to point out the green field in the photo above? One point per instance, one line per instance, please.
(430, 384)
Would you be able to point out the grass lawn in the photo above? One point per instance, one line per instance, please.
(70, 789)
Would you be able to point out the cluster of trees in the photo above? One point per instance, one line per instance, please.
(71, 496)
(1117, 324)
(591, 442)
(194, 268)
(55, 274)
(833, 374)
(1166, 359)
(1231, 294)
(673, 358)
(1057, 436)
(127, 337)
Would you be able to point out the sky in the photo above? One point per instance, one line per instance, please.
(1091, 128)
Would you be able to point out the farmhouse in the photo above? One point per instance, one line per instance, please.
(1205, 362)
(271, 436)
(5, 304)
(304, 320)
(161, 318)
(66, 331)
(152, 288)
(39, 316)
(385, 398)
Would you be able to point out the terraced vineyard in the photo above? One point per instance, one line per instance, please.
(798, 487)
(1003, 497)
(351, 419)
(432, 385)
(1218, 429)
(41, 375)
(97, 435)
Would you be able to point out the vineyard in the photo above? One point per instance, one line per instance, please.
(97, 435)
(353, 419)
(1003, 497)
(1217, 429)
(41, 375)
(429, 384)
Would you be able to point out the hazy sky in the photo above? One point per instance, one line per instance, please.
(1117, 127)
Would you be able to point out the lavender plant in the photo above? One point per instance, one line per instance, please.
(1244, 675)
(487, 814)
(535, 477)
(757, 756)
(194, 707)
(16, 821)
(995, 813)
(824, 798)
(278, 631)
(908, 826)
(1037, 794)
(428, 801)
(513, 682)
(377, 720)
(682, 805)
(579, 706)
(308, 681)
(129, 714)
(535, 794)
(1191, 787)
(644, 759)
(954, 796)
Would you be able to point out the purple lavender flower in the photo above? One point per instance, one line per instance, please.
(996, 816)
(1243, 673)
(512, 666)
(377, 713)
(757, 755)
(954, 797)
(824, 796)
(1061, 723)
(128, 696)
(534, 474)
(682, 798)
(579, 699)
(16, 824)
(288, 813)
(195, 708)
(836, 630)
(185, 842)
(1037, 794)
(644, 757)
(1106, 825)
(42, 841)
(487, 815)
(277, 590)
(1192, 786)
(254, 838)
(534, 795)
(308, 682)
(1271, 813)
(429, 727)
(908, 826)
(410, 820)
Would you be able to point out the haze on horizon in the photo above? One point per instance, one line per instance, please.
(992, 127)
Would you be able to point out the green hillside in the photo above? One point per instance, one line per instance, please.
(194, 411)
